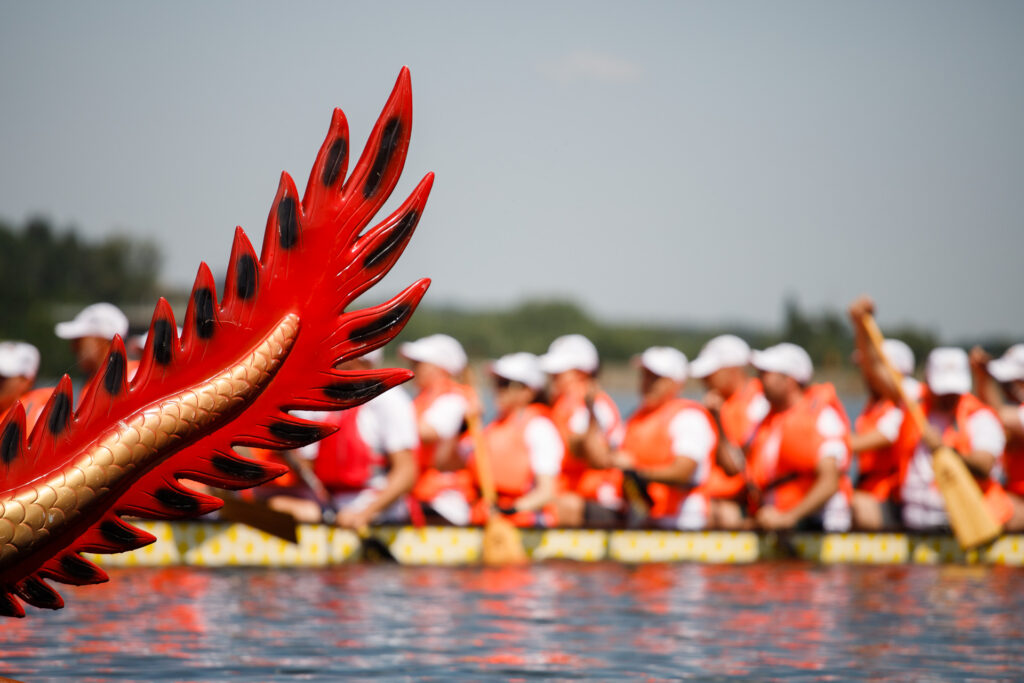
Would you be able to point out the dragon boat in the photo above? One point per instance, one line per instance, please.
(219, 544)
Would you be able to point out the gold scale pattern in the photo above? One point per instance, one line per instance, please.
(29, 517)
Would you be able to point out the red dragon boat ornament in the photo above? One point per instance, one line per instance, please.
(269, 347)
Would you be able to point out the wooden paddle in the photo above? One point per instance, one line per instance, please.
(502, 544)
(972, 523)
(258, 515)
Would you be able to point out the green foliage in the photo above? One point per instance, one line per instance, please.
(46, 273)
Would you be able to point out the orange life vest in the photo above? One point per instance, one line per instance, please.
(879, 469)
(738, 429)
(432, 481)
(509, 456)
(649, 440)
(957, 438)
(344, 461)
(794, 471)
(1013, 465)
(577, 476)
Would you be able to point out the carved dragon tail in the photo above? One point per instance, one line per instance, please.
(269, 346)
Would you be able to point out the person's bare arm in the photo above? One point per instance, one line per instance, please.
(540, 495)
(869, 441)
(679, 473)
(400, 480)
(872, 364)
(984, 387)
(825, 486)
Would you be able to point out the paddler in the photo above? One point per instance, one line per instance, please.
(1007, 373)
(444, 485)
(736, 402)
(800, 451)
(91, 333)
(589, 422)
(669, 443)
(19, 364)
(882, 427)
(522, 445)
(957, 419)
(368, 466)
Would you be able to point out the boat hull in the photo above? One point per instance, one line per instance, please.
(215, 544)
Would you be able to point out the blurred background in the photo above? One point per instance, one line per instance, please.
(643, 174)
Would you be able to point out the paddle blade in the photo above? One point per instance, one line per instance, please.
(972, 523)
(503, 544)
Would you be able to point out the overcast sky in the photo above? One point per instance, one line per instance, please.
(663, 162)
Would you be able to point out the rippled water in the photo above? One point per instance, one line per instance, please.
(558, 619)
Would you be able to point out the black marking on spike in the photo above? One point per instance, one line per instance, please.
(37, 593)
(113, 376)
(398, 234)
(240, 469)
(61, 412)
(9, 607)
(336, 155)
(176, 500)
(287, 223)
(203, 299)
(162, 341)
(245, 276)
(77, 567)
(375, 328)
(121, 534)
(388, 145)
(296, 433)
(10, 443)
(355, 391)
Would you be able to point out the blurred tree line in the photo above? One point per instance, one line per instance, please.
(49, 274)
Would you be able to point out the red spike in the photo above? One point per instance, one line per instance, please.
(229, 470)
(241, 288)
(12, 439)
(348, 388)
(164, 498)
(378, 169)
(9, 605)
(38, 593)
(377, 251)
(113, 535)
(284, 225)
(162, 347)
(108, 384)
(201, 319)
(51, 429)
(329, 169)
(363, 331)
(73, 569)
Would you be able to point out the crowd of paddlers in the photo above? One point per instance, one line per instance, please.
(765, 447)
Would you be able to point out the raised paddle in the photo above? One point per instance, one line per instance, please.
(972, 523)
(502, 544)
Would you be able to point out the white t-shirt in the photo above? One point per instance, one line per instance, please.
(386, 423)
(693, 437)
(446, 414)
(545, 444)
(923, 506)
(757, 409)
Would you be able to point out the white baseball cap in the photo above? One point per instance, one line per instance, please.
(785, 358)
(570, 352)
(900, 355)
(98, 320)
(1010, 366)
(520, 367)
(948, 371)
(18, 359)
(438, 349)
(664, 361)
(724, 351)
